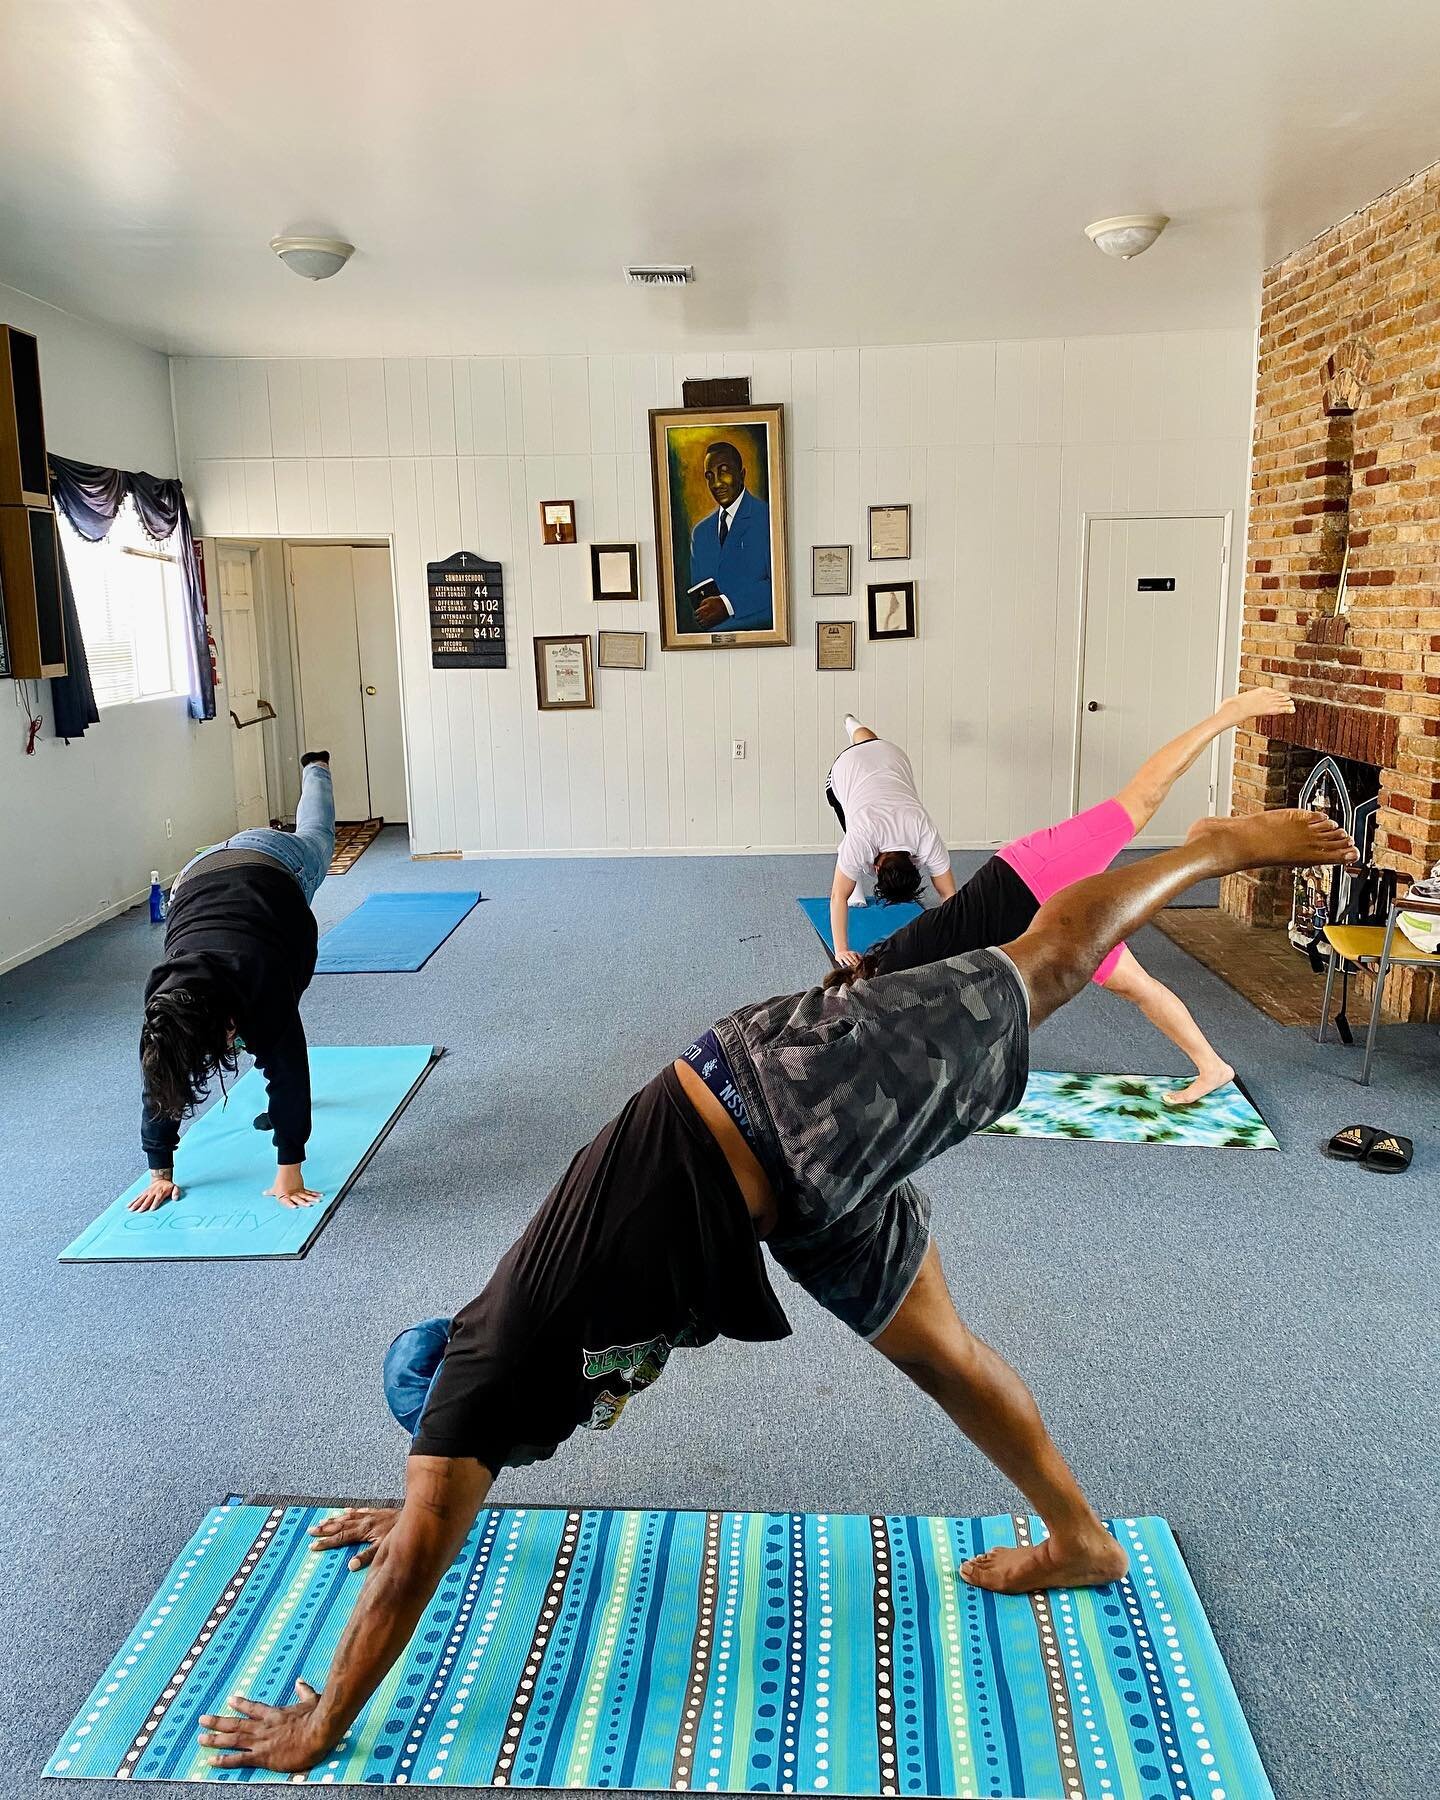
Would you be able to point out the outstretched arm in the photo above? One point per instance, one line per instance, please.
(442, 1496)
(1144, 793)
(841, 888)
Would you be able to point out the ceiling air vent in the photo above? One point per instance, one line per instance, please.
(659, 274)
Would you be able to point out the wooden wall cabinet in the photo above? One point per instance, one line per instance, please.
(24, 470)
(30, 579)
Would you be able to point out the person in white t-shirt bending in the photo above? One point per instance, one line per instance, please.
(888, 833)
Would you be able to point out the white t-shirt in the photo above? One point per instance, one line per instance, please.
(875, 785)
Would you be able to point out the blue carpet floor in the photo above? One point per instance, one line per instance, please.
(1244, 1344)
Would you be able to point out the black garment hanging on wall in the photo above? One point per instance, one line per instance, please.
(90, 497)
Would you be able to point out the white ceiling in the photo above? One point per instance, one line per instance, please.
(837, 171)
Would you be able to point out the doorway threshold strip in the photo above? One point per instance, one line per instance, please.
(665, 1652)
(393, 934)
(224, 1165)
(1131, 1109)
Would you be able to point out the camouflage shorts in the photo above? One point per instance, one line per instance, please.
(852, 1092)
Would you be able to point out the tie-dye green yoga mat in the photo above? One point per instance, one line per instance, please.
(730, 1652)
(1130, 1109)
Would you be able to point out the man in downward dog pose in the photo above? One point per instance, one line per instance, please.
(798, 1121)
(1005, 892)
(889, 836)
(240, 948)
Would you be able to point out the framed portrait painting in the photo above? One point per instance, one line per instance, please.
(719, 477)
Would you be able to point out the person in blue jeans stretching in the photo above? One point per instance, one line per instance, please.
(240, 948)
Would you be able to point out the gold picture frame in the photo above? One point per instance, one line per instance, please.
(622, 649)
(564, 675)
(719, 480)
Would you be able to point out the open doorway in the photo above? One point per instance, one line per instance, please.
(312, 662)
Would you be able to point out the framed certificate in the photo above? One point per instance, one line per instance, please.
(830, 569)
(557, 521)
(889, 534)
(563, 678)
(622, 649)
(614, 572)
(835, 644)
(892, 609)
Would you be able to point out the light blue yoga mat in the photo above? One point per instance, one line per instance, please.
(696, 1652)
(868, 924)
(224, 1165)
(392, 934)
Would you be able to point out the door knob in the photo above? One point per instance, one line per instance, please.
(1090, 705)
(369, 690)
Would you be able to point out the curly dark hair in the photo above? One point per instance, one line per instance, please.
(847, 977)
(896, 877)
(185, 1040)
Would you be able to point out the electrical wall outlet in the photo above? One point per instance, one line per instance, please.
(169, 828)
(737, 749)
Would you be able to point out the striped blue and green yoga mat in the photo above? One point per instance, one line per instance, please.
(732, 1652)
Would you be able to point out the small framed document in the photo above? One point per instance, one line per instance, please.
(563, 678)
(614, 572)
(889, 534)
(835, 644)
(557, 521)
(892, 609)
(830, 570)
(622, 649)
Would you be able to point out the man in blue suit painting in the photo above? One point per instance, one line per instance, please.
(731, 547)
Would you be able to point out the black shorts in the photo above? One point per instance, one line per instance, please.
(993, 907)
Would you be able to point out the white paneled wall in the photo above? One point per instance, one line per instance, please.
(998, 447)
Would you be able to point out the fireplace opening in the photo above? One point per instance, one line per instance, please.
(1349, 793)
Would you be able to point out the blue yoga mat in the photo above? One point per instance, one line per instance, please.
(224, 1165)
(773, 1653)
(868, 924)
(392, 934)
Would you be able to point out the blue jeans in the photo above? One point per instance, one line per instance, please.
(306, 851)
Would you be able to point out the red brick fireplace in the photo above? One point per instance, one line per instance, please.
(1342, 586)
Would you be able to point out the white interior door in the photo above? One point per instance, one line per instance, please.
(380, 683)
(1154, 594)
(322, 587)
(244, 681)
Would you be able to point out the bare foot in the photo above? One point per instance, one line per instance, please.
(1086, 1562)
(1258, 703)
(1213, 1075)
(1273, 840)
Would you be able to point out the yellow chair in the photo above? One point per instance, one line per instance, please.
(1372, 948)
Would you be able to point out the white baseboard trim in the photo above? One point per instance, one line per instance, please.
(78, 927)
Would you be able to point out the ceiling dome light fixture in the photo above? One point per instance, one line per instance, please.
(1126, 235)
(313, 258)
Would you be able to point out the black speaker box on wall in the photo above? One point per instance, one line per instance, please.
(30, 577)
(24, 471)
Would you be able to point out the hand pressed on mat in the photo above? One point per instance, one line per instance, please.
(364, 1525)
(290, 1189)
(283, 1738)
(161, 1189)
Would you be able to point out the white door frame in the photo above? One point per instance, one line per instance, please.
(1227, 516)
(356, 541)
(243, 546)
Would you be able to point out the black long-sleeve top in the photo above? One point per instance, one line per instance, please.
(248, 936)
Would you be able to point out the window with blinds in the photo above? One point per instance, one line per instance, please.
(128, 598)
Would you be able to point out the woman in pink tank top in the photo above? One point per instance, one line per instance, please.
(997, 903)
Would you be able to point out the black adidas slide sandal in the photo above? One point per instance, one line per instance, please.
(1353, 1143)
(1389, 1154)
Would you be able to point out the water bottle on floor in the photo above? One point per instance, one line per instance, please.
(157, 899)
